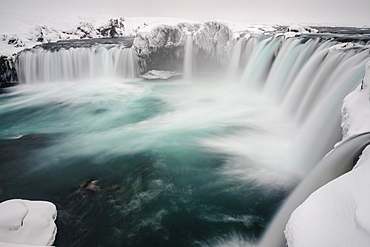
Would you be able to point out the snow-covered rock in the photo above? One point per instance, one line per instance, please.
(337, 213)
(37, 32)
(162, 46)
(356, 109)
(27, 223)
(301, 29)
(159, 75)
(216, 39)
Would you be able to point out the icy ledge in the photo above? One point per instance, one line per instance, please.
(337, 214)
(27, 223)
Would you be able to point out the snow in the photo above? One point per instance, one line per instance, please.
(27, 223)
(159, 75)
(356, 109)
(337, 214)
(26, 29)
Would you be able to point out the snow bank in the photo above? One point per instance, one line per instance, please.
(337, 214)
(160, 75)
(27, 223)
(356, 109)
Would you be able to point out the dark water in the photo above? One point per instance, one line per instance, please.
(177, 164)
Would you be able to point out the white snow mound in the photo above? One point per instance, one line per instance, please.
(337, 213)
(27, 223)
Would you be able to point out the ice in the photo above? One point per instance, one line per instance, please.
(24, 223)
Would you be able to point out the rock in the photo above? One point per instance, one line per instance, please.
(216, 39)
(8, 74)
(89, 187)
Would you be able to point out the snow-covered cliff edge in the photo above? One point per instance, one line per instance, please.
(337, 213)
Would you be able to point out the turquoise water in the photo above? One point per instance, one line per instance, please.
(179, 163)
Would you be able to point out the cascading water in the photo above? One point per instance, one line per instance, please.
(310, 80)
(260, 62)
(188, 57)
(41, 65)
(180, 163)
(337, 162)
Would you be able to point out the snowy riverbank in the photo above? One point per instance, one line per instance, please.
(336, 214)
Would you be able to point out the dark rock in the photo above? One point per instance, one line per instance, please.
(8, 74)
(89, 187)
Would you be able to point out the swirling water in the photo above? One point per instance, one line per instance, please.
(178, 163)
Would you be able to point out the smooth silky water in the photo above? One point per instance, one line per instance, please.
(179, 163)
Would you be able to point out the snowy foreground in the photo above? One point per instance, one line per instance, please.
(27, 223)
(337, 213)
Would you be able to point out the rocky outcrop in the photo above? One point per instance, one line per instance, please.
(8, 74)
(162, 48)
(215, 40)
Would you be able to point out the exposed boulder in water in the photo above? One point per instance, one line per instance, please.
(89, 187)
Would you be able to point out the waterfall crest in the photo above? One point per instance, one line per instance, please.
(309, 77)
(39, 65)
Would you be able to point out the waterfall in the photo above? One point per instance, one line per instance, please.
(260, 62)
(39, 65)
(188, 57)
(288, 63)
(240, 56)
(309, 77)
(337, 162)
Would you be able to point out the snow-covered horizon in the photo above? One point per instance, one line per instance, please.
(19, 31)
